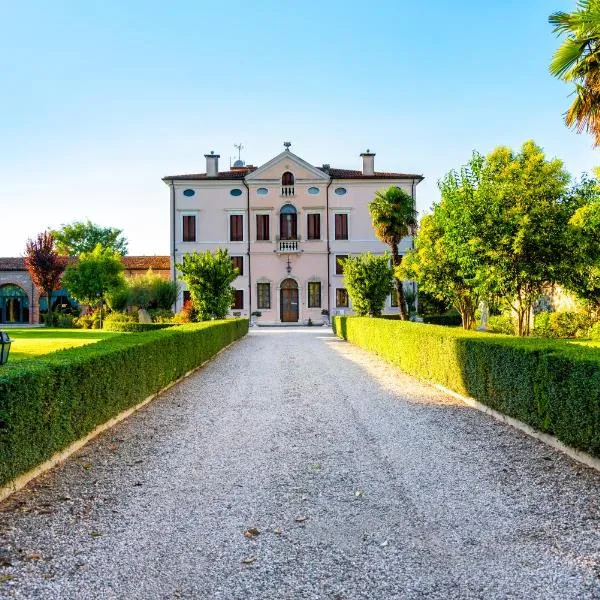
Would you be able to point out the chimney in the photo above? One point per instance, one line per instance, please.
(368, 162)
(212, 164)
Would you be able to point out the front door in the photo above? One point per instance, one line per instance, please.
(289, 305)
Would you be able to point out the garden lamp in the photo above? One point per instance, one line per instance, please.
(5, 343)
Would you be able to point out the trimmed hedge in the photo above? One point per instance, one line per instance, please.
(50, 402)
(551, 385)
(125, 327)
(450, 320)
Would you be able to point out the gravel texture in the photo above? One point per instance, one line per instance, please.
(361, 482)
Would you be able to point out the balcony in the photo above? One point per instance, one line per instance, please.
(288, 246)
(287, 191)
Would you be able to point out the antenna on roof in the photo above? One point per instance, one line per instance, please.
(287, 145)
(239, 162)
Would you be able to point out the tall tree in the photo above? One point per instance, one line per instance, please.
(520, 226)
(577, 61)
(394, 217)
(45, 267)
(79, 237)
(209, 277)
(369, 279)
(438, 265)
(94, 275)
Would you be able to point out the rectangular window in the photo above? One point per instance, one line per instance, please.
(394, 299)
(238, 301)
(339, 269)
(187, 297)
(341, 298)
(236, 228)
(263, 295)
(314, 294)
(341, 226)
(262, 228)
(314, 226)
(238, 263)
(189, 228)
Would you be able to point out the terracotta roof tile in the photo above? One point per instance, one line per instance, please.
(132, 263)
(333, 173)
(352, 174)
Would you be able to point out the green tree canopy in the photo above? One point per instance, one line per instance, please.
(369, 279)
(79, 237)
(577, 61)
(394, 217)
(94, 275)
(209, 277)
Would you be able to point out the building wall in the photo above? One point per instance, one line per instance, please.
(212, 204)
(22, 279)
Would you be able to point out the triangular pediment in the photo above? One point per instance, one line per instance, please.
(287, 161)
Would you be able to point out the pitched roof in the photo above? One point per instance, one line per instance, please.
(237, 174)
(352, 174)
(132, 263)
(333, 173)
(143, 263)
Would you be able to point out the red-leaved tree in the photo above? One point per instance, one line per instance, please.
(45, 266)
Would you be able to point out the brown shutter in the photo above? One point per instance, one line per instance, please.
(341, 226)
(236, 229)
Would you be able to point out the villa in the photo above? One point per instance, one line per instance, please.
(286, 225)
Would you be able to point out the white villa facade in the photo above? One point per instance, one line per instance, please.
(285, 224)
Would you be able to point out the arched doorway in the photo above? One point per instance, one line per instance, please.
(290, 312)
(14, 304)
(288, 223)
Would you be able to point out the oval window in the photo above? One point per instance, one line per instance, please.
(189, 193)
(236, 192)
(262, 191)
(340, 191)
(313, 191)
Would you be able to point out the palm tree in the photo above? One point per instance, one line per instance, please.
(394, 217)
(577, 60)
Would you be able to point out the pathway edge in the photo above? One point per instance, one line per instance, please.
(22, 480)
(546, 438)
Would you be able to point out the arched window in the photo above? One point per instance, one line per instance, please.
(287, 184)
(14, 304)
(288, 223)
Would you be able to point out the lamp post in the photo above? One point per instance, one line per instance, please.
(5, 343)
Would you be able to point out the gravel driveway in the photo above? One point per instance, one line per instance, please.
(350, 479)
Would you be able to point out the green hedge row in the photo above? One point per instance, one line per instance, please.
(551, 385)
(48, 403)
(450, 320)
(124, 326)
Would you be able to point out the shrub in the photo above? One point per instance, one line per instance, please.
(161, 315)
(501, 324)
(450, 319)
(134, 327)
(50, 402)
(561, 324)
(64, 321)
(594, 332)
(89, 321)
(120, 317)
(550, 385)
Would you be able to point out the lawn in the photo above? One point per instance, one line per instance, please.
(29, 343)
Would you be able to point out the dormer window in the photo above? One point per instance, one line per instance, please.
(287, 184)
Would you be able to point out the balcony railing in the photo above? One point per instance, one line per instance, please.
(288, 246)
(287, 191)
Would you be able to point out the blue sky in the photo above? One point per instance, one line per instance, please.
(103, 98)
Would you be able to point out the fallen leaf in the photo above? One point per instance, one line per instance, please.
(6, 578)
(96, 534)
(252, 532)
(358, 493)
(249, 560)
(87, 466)
(34, 556)
(277, 531)
(301, 519)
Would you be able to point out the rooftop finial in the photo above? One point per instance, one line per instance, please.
(287, 145)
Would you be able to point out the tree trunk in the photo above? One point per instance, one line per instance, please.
(398, 283)
(49, 314)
